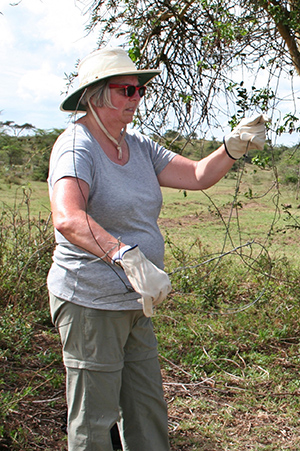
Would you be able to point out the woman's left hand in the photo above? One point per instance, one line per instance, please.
(152, 283)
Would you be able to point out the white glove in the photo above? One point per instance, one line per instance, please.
(249, 134)
(152, 283)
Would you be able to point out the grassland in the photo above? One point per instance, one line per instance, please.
(228, 334)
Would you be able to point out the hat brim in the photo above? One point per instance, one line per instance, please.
(72, 103)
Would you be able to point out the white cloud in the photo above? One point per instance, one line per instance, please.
(7, 38)
(62, 23)
(40, 85)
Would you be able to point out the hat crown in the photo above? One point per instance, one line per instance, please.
(104, 63)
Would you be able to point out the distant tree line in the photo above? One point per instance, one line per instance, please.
(25, 152)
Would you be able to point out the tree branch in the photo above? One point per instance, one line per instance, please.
(282, 18)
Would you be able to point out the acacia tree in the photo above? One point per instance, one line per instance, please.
(208, 50)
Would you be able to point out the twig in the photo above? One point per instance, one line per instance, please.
(175, 366)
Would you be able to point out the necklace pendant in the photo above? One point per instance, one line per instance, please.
(120, 154)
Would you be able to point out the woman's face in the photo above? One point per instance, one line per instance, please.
(125, 107)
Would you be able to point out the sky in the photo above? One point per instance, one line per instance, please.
(40, 42)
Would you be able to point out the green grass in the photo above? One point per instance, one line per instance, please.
(33, 195)
(228, 333)
(227, 216)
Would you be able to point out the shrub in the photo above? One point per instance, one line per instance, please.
(26, 246)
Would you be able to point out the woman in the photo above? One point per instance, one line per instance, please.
(107, 272)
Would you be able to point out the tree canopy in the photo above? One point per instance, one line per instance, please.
(219, 58)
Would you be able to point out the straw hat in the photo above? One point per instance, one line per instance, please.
(101, 64)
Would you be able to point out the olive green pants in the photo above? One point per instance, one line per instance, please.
(112, 375)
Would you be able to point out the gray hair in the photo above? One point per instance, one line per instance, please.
(100, 93)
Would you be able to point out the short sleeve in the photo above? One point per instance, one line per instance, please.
(71, 157)
(159, 155)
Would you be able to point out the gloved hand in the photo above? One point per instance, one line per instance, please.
(152, 283)
(249, 134)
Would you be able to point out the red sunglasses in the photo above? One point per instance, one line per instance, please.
(130, 90)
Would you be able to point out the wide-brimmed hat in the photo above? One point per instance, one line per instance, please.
(101, 64)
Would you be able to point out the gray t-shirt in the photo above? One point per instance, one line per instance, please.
(124, 200)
